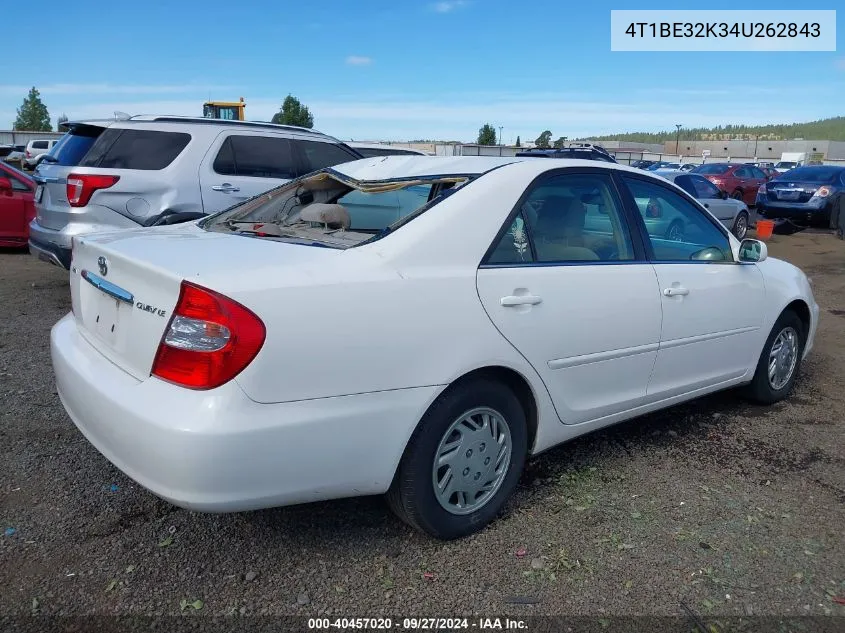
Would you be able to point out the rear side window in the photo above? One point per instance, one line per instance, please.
(255, 156)
(71, 149)
(39, 145)
(319, 155)
(148, 150)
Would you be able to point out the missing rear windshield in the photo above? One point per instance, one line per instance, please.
(329, 209)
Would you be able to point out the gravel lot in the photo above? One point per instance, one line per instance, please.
(728, 508)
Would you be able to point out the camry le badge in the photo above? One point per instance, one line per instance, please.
(103, 265)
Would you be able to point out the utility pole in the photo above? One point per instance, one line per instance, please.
(500, 135)
(756, 138)
(678, 139)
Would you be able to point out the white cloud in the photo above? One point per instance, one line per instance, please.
(359, 60)
(447, 6)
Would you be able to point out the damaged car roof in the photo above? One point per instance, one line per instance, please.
(389, 167)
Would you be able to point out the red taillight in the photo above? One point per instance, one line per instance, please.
(209, 340)
(28, 154)
(80, 187)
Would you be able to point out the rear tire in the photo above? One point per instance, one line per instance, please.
(412, 495)
(781, 356)
(737, 195)
(740, 228)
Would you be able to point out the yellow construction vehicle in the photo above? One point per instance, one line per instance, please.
(228, 110)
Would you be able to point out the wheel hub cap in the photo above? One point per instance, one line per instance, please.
(471, 461)
(783, 358)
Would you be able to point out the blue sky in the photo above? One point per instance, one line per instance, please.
(398, 70)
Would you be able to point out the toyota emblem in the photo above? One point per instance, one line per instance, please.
(104, 266)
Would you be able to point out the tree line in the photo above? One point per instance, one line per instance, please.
(832, 129)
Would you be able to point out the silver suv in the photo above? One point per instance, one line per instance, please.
(150, 170)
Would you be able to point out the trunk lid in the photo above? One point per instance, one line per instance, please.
(791, 190)
(125, 284)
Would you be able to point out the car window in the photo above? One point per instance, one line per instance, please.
(713, 169)
(17, 185)
(743, 172)
(568, 218)
(135, 149)
(757, 173)
(685, 183)
(256, 156)
(677, 229)
(375, 211)
(75, 144)
(39, 145)
(704, 189)
(319, 155)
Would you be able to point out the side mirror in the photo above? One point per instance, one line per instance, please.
(753, 251)
(5, 185)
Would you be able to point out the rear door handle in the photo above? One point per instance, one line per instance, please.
(675, 292)
(520, 300)
(226, 188)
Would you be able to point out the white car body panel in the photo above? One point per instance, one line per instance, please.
(361, 341)
(594, 358)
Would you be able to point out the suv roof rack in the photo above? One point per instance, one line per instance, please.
(203, 120)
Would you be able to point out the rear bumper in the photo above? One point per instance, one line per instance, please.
(802, 214)
(50, 253)
(219, 451)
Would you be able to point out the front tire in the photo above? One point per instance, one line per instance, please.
(780, 360)
(737, 195)
(463, 461)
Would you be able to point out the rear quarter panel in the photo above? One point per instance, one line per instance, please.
(398, 313)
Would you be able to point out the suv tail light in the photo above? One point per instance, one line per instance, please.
(80, 187)
(209, 340)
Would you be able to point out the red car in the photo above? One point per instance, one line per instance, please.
(738, 180)
(17, 207)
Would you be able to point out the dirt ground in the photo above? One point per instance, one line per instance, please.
(717, 505)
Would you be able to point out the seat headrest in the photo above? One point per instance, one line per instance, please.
(332, 215)
(561, 216)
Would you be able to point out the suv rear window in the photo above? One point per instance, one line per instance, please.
(73, 146)
(39, 145)
(135, 149)
(255, 156)
(319, 155)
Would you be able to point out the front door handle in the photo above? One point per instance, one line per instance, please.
(520, 300)
(226, 188)
(675, 292)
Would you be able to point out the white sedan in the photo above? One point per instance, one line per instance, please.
(278, 353)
